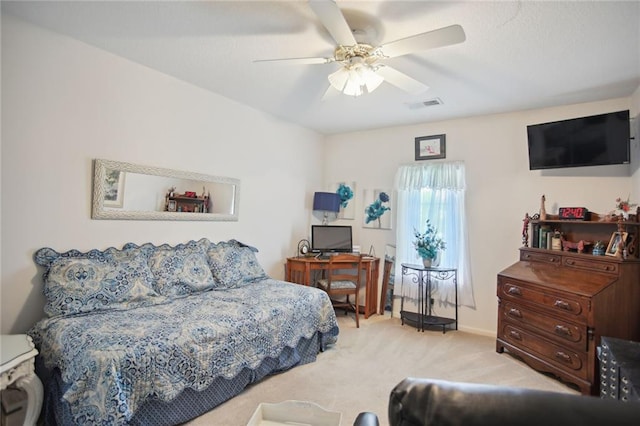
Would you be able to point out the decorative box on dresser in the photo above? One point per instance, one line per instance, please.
(554, 305)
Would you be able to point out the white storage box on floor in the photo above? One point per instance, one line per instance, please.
(299, 413)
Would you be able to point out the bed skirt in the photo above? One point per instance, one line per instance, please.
(190, 403)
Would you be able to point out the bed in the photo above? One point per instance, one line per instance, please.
(161, 335)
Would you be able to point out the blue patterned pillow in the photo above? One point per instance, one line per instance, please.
(181, 270)
(76, 285)
(234, 264)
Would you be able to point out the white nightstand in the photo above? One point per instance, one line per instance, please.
(17, 365)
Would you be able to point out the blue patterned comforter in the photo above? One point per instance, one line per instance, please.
(115, 360)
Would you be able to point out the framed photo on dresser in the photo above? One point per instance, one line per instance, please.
(615, 240)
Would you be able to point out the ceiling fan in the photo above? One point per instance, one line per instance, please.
(362, 68)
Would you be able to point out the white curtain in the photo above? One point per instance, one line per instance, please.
(436, 192)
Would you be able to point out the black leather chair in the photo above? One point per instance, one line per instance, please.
(422, 402)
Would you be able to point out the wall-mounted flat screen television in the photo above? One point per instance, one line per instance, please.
(331, 239)
(596, 140)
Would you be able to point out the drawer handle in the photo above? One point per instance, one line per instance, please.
(562, 305)
(515, 291)
(570, 262)
(553, 259)
(515, 335)
(515, 312)
(563, 357)
(609, 268)
(561, 329)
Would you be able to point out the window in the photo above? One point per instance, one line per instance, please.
(435, 192)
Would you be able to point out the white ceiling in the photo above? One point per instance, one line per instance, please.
(517, 54)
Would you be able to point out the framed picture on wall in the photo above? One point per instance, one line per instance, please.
(430, 147)
(377, 214)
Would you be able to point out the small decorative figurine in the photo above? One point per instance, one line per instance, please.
(525, 230)
(543, 211)
(598, 248)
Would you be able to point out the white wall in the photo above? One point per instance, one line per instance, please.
(500, 187)
(65, 103)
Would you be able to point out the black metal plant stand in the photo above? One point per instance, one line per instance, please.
(423, 277)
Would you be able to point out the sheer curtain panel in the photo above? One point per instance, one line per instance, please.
(436, 192)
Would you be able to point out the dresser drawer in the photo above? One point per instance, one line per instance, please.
(553, 259)
(559, 356)
(552, 327)
(592, 265)
(563, 305)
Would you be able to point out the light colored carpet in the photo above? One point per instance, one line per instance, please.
(358, 372)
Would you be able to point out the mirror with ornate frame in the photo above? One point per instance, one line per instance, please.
(134, 192)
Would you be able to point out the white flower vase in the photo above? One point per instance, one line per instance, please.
(431, 262)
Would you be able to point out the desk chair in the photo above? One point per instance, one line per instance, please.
(343, 279)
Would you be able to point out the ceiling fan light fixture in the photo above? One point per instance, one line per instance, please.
(339, 79)
(355, 78)
(370, 78)
(353, 86)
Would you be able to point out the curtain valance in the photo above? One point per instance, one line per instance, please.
(448, 175)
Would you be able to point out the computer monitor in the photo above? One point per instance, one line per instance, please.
(331, 239)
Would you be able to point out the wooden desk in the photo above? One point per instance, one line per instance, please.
(298, 270)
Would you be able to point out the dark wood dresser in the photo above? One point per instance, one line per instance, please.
(553, 307)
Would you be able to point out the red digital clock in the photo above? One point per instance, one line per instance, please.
(573, 213)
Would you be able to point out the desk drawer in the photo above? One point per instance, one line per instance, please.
(569, 360)
(592, 265)
(553, 259)
(552, 327)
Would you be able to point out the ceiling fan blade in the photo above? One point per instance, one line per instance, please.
(446, 36)
(332, 18)
(401, 80)
(299, 61)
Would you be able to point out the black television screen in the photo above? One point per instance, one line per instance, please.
(588, 141)
(331, 239)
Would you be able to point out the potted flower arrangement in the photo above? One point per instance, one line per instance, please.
(623, 207)
(428, 244)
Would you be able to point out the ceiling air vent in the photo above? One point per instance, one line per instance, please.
(424, 104)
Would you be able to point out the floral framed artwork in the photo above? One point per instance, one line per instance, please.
(114, 188)
(377, 214)
(616, 237)
(347, 193)
(430, 147)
